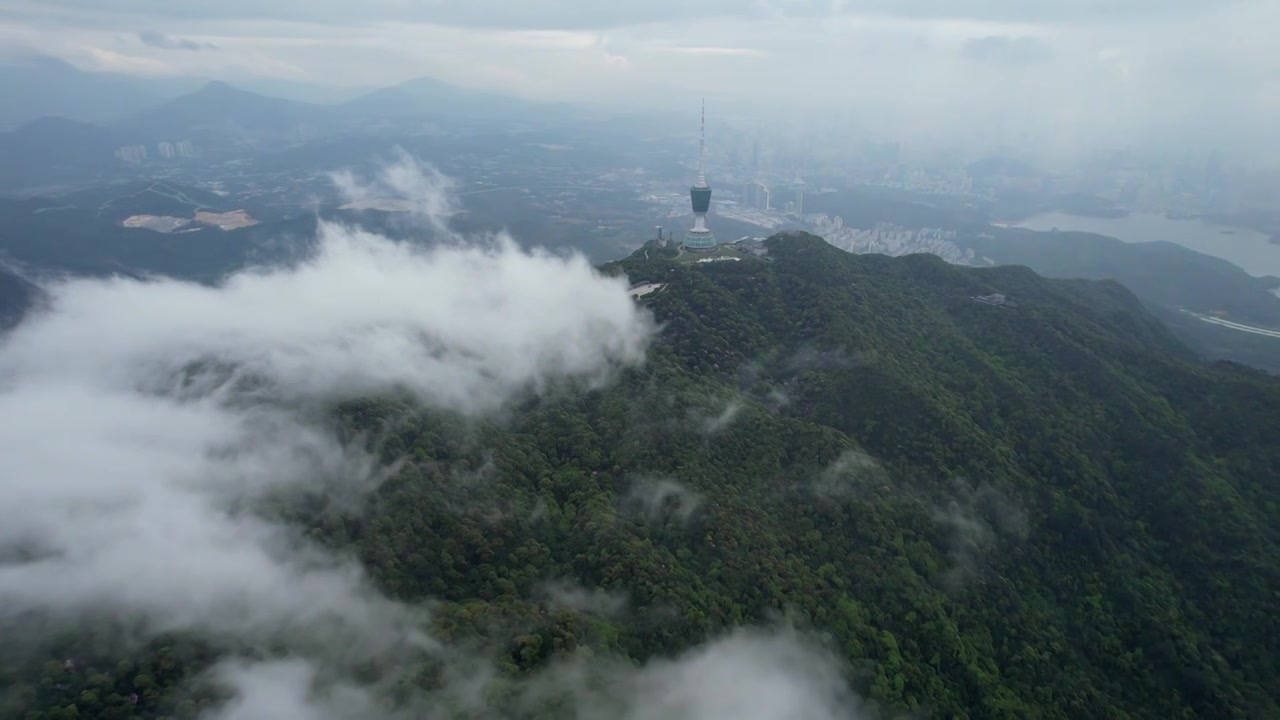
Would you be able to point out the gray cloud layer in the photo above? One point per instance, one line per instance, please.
(1059, 77)
(164, 42)
(1007, 50)
(584, 14)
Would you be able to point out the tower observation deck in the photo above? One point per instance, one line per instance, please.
(700, 236)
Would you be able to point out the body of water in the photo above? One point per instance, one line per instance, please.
(1248, 249)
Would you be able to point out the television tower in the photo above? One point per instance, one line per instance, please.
(700, 236)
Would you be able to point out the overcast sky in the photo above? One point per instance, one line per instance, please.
(1062, 72)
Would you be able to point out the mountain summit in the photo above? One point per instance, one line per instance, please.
(218, 107)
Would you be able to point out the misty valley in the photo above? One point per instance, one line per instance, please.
(385, 396)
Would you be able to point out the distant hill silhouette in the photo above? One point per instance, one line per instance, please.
(17, 293)
(68, 123)
(63, 135)
(51, 150)
(428, 97)
(41, 86)
(219, 110)
(47, 86)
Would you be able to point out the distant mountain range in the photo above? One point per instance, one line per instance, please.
(44, 86)
(48, 87)
(431, 98)
(69, 123)
(218, 110)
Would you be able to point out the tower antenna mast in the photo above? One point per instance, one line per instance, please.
(702, 146)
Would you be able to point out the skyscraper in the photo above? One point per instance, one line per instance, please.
(700, 236)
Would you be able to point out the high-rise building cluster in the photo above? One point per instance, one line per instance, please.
(170, 150)
(756, 195)
(137, 154)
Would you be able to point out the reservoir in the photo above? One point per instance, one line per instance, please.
(1248, 249)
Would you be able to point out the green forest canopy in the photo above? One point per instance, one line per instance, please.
(1045, 510)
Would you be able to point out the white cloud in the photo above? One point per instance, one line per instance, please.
(716, 423)
(288, 690)
(165, 42)
(565, 594)
(747, 675)
(463, 327)
(656, 499)
(852, 475)
(141, 420)
(974, 519)
(770, 674)
(711, 50)
(404, 184)
(106, 60)
(123, 499)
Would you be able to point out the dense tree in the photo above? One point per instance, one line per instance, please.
(1045, 509)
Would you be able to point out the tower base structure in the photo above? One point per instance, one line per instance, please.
(700, 240)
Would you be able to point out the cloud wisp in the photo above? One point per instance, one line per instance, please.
(405, 184)
(165, 42)
(973, 521)
(713, 424)
(659, 499)
(746, 675)
(144, 419)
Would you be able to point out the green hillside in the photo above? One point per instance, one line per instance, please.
(1164, 275)
(1042, 509)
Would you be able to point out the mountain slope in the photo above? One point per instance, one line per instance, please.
(1165, 275)
(1163, 272)
(1082, 406)
(448, 106)
(50, 150)
(219, 111)
(427, 97)
(1043, 509)
(50, 87)
(17, 293)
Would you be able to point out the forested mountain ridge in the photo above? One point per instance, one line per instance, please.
(1042, 509)
(1075, 401)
